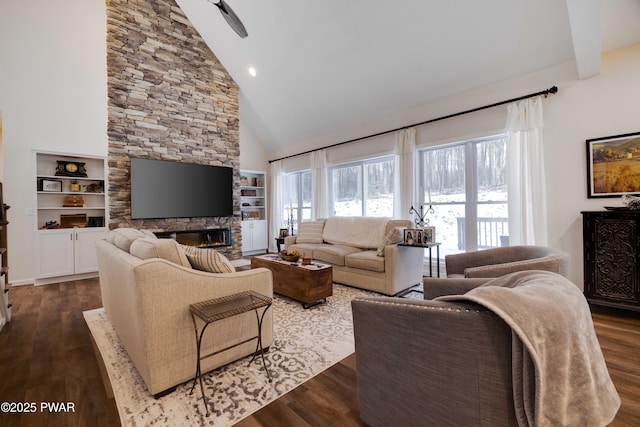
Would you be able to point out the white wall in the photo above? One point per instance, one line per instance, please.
(603, 105)
(53, 96)
(253, 155)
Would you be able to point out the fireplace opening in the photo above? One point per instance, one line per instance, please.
(207, 238)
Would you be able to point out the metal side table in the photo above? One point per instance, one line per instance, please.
(222, 308)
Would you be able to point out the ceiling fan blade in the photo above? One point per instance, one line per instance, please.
(232, 19)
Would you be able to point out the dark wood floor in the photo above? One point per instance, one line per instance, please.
(46, 355)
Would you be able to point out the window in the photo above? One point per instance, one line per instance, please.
(296, 199)
(467, 187)
(363, 188)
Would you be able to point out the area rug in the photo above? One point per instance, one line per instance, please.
(415, 292)
(306, 342)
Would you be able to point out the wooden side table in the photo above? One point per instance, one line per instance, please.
(222, 308)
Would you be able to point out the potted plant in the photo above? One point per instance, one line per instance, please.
(244, 180)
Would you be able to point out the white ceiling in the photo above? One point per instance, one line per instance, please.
(325, 66)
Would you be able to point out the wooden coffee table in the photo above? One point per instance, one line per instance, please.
(309, 284)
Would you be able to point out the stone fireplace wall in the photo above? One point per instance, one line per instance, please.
(169, 98)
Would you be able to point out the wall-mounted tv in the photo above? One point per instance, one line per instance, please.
(167, 189)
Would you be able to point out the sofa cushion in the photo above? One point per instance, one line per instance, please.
(210, 260)
(333, 254)
(310, 232)
(365, 260)
(169, 249)
(124, 237)
(361, 232)
(393, 237)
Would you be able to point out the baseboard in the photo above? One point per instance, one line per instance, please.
(60, 279)
(23, 282)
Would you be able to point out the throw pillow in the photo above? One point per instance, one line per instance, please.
(208, 260)
(149, 234)
(124, 237)
(310, 232)
(395, 236)
(169, 249)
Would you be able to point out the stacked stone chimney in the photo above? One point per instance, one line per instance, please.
(169, 98)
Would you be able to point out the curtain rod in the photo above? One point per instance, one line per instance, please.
(546, 92)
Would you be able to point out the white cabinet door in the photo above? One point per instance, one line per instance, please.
(247, 236)
(55, 253)
(259, 235)
(86, 260)
(68, 251)
(254, 236)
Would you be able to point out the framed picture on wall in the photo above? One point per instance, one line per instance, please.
(613, 165)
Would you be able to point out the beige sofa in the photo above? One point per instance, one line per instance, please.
(147, 301)
(363, 251)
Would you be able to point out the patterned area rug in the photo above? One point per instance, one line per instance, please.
(306, 342)
(416, 292)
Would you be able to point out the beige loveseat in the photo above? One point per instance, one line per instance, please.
(147, 301)
(363, 251)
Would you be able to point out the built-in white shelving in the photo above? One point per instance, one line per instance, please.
(66, 235)
(253, 207)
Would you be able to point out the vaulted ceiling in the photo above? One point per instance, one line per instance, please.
(325, 66)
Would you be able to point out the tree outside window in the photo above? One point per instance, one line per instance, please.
(296, 198)
(363, 188)
(466, 183)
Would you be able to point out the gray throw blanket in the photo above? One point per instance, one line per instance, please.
(559, 373)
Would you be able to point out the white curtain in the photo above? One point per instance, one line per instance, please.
(319, 178)
(525, 173)
(275, 205)
(405, 174)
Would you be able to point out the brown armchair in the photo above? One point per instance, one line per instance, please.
(468, 270)
(470, 360)
(432, 363)
(497, 262)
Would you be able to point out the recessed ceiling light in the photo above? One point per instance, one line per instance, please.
(252, 71)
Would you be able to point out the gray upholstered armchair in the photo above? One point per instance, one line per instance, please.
(432, 363)
(468, 270)
(499, 355)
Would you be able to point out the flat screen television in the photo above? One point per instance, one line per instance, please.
(167, 189)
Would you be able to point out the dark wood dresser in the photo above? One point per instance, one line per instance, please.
(612, 258)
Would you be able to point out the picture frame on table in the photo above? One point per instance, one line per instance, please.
(408, 236)
(429, 235)
(613, 165)
(284, 233)
(418, 237)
